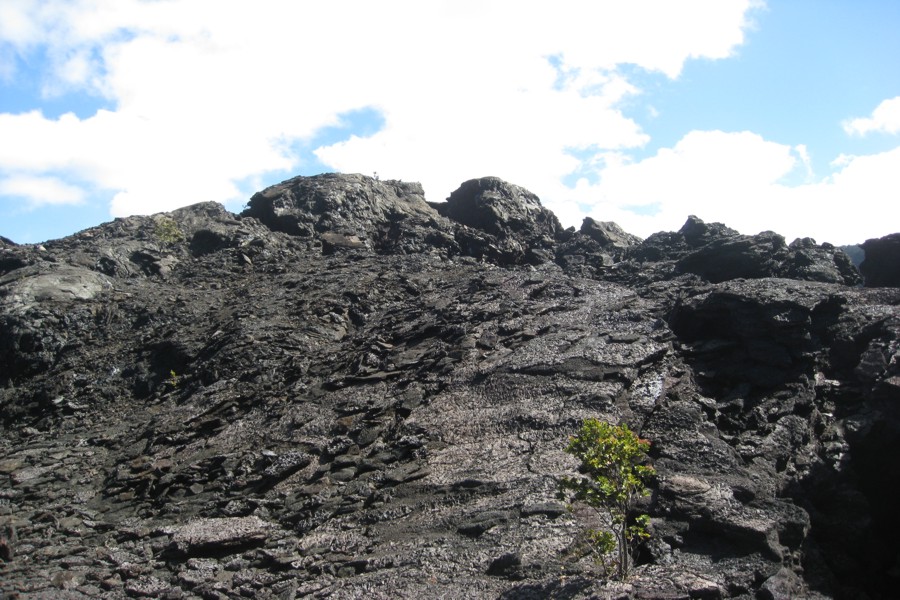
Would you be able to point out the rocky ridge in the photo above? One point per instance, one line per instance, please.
(349, 391)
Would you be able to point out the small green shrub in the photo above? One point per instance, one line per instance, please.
(612, 478)
(167, 231)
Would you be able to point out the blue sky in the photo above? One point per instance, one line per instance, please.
(807, 65)
(783, 115)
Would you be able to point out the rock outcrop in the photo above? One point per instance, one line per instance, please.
(717, 253)
(347, 391)
(347, 211)
(881, 266)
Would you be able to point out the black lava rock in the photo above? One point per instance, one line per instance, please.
(347, 391)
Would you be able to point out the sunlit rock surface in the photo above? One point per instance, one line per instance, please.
(347, 391)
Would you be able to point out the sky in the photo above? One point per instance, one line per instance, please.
(781, 115)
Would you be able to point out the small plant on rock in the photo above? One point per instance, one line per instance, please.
(167, 231)
(613, 477)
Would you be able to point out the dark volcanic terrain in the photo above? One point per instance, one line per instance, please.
(349, 392)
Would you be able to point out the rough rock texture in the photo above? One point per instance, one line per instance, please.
(349, 211)
(881, 266)
(485, 218)
(349, 392)
(608, 234)
(717, 253)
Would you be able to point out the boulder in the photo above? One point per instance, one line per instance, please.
(500, 208)
(881, 266)
(518, 228)
(608, 234)
(809, 261)
(374, 212)
(735, 256)
(219, 535)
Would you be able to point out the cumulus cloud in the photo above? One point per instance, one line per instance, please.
(885, 118)
(864, 198)
(17, 25)
(39, 191)
(204, 95)
(739, 178)
(720, 176)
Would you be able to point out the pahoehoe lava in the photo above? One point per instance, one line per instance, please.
(348, 391)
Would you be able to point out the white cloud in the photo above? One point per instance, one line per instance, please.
(885, 118)
(716, 175)
(207, 94)
(803, 153)
(739, 179)
(39, 191)
(17, 24)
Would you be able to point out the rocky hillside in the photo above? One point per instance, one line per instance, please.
(347, 391)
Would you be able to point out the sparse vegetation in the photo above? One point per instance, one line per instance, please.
(613, 477)
(167, 231)
(173, 379)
